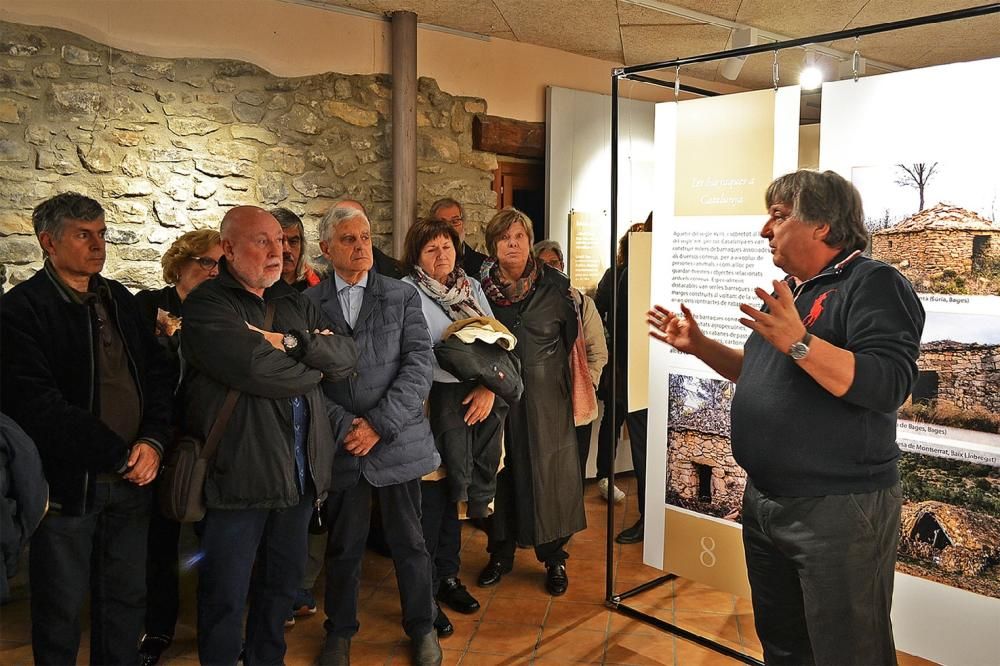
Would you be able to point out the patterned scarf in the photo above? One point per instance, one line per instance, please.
(504, 294)
(455, 296)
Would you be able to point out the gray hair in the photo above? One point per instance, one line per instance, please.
(446, 202)
(49, 216)
(823, 198)
(335, 216)
(551, 245)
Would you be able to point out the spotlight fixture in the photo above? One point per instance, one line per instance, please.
(742, 37)
(811, 76)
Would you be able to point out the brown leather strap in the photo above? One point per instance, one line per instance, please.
(222, 420)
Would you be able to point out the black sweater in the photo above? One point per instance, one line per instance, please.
(792, 436)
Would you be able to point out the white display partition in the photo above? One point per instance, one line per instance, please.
(780, 156)
(578, 158)
(945, 117)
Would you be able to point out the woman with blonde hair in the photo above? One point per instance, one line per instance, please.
(189, 261)
(539, 497)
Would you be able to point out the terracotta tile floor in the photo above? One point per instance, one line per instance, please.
(518, 623)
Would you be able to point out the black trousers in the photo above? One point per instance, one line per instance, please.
(821, 573)
(162, 574)
(270, 545)
(442, 530)
(607, 439)
(103, 553)
(349, 513)
(583, 435)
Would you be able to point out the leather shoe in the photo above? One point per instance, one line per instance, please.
(442, 625)
(336, 651)
(493, 572)
(151, 647)
(456, 597)
(632, 534)
(427, 650)
(556, 580)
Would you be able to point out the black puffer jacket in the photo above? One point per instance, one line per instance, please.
(255, 463)
(50, 383)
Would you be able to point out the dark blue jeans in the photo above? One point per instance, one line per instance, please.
(231, 542)
(821, 573)
(349, 512)
(104, 553)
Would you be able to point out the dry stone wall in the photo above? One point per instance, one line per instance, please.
(924, 255)
(168, 145)
(689, 448)
(968, 374)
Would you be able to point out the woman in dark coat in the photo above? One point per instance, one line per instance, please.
(539, 500)
(190, 260)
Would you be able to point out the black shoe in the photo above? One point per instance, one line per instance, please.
(336, 651)
(494, 571)
(455, 596)
(631, 534)
(427, 650)
(556, 580)
(151, 647)
(442, 625)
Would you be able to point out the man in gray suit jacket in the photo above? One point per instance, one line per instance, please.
(384, 442)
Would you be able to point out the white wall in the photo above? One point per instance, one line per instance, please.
(578, 160)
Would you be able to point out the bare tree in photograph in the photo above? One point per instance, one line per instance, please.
(917, 176)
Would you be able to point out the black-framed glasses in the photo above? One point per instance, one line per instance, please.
(206, 262)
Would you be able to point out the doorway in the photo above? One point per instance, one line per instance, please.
(522, 185)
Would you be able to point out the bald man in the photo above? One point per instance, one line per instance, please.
(274, 460)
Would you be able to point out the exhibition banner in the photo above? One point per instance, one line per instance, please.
(926, 167)
(715, 159)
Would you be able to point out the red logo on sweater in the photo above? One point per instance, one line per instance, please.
(817, 308)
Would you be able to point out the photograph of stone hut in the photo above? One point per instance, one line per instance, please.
(944, 542)
(965, 374)
(944, 248)
(702, 474)
(959, 372)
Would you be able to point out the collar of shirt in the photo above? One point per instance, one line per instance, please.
(342, 284)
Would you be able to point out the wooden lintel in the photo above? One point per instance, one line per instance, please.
(505, 136)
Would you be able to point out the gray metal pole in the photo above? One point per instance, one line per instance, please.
(404, 126)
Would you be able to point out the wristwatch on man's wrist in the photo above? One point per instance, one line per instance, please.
(289, 341)
(799, 349)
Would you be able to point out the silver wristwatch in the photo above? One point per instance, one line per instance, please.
(289, 341)
(799, 350)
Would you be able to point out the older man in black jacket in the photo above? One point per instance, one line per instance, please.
(85, 378)
(384, 442)
(274, 460)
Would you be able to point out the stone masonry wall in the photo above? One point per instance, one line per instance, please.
(688, 448)
(168, 145)
(968, 376)
(925, 255)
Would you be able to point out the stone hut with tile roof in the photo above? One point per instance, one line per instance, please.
(956, 539)
(936, 240)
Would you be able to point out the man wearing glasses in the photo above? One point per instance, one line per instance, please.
(450, 211)
(83, 375)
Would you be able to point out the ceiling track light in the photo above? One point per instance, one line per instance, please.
(811, 76)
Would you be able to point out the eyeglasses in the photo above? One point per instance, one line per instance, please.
(206, 262)
(455, 220)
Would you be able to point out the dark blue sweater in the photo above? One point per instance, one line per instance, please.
(794, 437)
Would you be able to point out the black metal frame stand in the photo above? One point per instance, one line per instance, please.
(634, 73)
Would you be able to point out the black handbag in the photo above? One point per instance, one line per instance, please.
(480, 362)
(181, 490)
